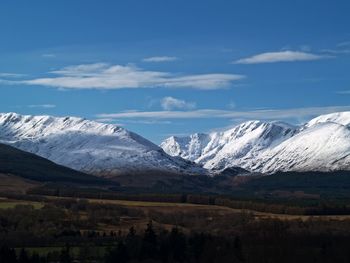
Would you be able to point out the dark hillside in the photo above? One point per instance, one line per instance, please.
(33, 167)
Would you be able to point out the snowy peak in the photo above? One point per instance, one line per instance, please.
(190, 147)
(324, 147)
(259, 130)
(88, 146)
(234, 147)
(104, 149)
(342, 118)
(45, 125)
(321, 144)
(241, 145)
(25, 127)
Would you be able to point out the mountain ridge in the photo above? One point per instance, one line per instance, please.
(322, 144)
(88, 146)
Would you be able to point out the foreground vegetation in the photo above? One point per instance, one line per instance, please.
(279, 218)
(57, 229)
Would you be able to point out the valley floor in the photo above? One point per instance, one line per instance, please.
(99, 230)
(219, 211)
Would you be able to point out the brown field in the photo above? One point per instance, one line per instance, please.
(166, 215)
(15, 184)
(171, 208)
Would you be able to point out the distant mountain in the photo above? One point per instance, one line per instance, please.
(239, 146)
(90, 147)
(322, 144)
(29, 166)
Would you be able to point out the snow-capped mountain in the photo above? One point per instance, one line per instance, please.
(322, 144)
(190, 148)
(92, 147)
(342, 118)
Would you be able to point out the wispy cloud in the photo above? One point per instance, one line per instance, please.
(45, 106)
(305, 48)
(107, 76)
(160, 59)
(272, 114)
(48, 55)
(132, 121)
(341, 48)
(150, 122)
(343, 92)
(344, 44)
(109, 121)
(336, 52)
(231, 105)
(280, 56)
(170, 103)
(11, 75)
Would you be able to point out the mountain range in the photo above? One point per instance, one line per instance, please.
(88, 146)
(322, 144)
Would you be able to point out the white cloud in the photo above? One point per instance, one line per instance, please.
(272, 114)
(46, 106)
(170, 103)
(160, 59)
(106, 76)
(280, 56)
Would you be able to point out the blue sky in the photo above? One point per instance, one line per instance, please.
(163, 68)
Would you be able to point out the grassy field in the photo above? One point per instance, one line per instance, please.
(9, 203)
